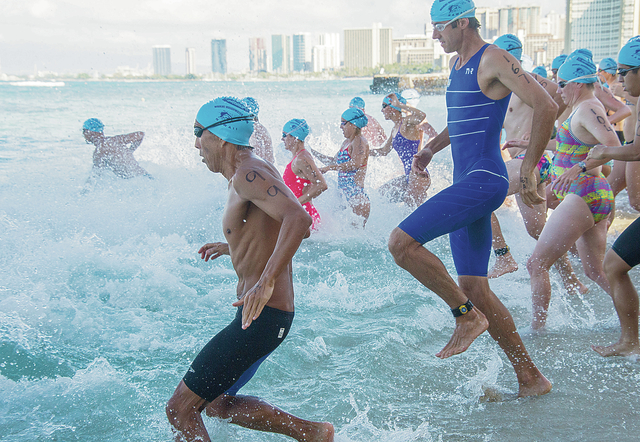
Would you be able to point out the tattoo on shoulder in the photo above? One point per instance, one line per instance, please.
(252, 175)
(602, 120)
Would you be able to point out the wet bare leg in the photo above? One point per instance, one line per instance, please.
(502, 328)
(256, 414)
(431, 272)
(569, 278)
(625, 300)
(183, 411)
(504, 262)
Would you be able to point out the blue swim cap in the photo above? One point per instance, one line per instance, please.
(401, 99)
(94, 125)
(511, 44)
(579, 67)
(557, 62)
(232, 120)
(251, 104)
(356, 117)
(608, 65)
(447, 10)
(541, 71)
(630, 53)
(297, 128)
(357, 102)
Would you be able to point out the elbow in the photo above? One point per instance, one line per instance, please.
(322, 187)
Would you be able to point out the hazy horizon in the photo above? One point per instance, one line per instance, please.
(78, 36)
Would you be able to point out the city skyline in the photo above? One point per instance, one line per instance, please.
(75, 36)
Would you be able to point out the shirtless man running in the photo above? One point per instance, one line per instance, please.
(264, 225)
(481, 80)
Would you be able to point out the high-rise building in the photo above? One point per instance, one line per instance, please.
(519, 20)
(190, 61)
(368, 48)
(413, 49)
(302, 52)
(281, 53)
(162, 60)
(554, 24)
(602, 26)
(219, 56)
(489, 19)
(331, 47)
(257, 55)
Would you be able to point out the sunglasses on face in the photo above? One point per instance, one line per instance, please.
(198, 131)
(624, 72)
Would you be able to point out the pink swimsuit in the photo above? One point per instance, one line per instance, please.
(297, 185)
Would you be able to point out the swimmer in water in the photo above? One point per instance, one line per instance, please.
(302, 175)
(113, 153)
(373, 131)
(406, 140)
(264, 225)
(351, 162)
(481, 80)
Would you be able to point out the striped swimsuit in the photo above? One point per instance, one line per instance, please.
(594, 190)
(347, 179)
(480, 181)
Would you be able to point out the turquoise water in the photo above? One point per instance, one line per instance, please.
(104, 301)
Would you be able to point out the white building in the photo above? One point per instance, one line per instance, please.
(190, 61)
(368, 48)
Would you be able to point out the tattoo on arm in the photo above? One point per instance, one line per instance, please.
(602, 121)
(273, 190)
(251, 176)
(516, 70)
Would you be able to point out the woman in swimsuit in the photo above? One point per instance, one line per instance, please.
(579, 193)
(406, 140)
(302, 175)
(351, 162)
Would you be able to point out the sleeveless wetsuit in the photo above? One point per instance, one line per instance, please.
(594, 190)
(297, 185)
(406, 150)
(347, 179)
(480, 181)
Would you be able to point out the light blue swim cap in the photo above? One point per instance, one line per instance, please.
(94, 125)
(637, 37)
(511, 44)
(401, 99)
(630, 53)
(252, 105)
(579, 67)
(356, 117)
(231, 119)
(297, 128)
(447, 10)
(357, 102)
(557, 62)
(541, 71)
(608, 65)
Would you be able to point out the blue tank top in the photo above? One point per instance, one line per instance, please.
(406, 150)
(474, 120)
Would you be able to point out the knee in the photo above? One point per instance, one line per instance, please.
(634, 200)
(173, 411)
(536, 266)
(399, 245)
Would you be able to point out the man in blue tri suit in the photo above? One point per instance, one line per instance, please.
(481, 81)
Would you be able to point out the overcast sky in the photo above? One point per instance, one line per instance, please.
(72, 36)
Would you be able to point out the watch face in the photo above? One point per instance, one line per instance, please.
(463, 309)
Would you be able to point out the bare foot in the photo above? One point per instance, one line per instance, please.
(504, 264)
(324, 433)
(617, 349)
(468, 328)
(574, 286)
(536, 386)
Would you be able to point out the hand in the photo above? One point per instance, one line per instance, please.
(420, 162)
(562, 184)
(254, 301)
(596, 153)
(518, 143)
(213, 250)
(529, 189)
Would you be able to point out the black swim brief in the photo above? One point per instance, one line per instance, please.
(627, 246)
(232, 357)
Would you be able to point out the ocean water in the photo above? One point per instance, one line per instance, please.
(104, 301)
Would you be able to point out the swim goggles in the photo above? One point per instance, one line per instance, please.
(624, 72)
(198, 131)
(441, 26)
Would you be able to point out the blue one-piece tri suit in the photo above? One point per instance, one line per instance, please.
(480, 181)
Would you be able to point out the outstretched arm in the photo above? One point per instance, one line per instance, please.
(133, 139)
(273, 197)
(324, 159)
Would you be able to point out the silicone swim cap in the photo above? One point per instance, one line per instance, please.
(297, 128)
(630, 53)
(251, 104)
(387, 100)
(557, 62)
(447, 10)
(94, 125)
(357, 102)
(540, 70)
(356, 117)
(511, 44)
(608, 65)
(232, 120)
(579, 67)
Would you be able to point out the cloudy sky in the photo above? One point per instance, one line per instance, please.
(72, 36)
